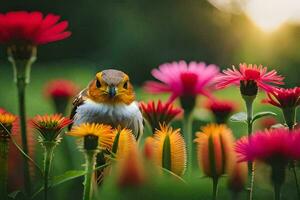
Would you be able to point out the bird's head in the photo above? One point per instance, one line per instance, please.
(111, 87)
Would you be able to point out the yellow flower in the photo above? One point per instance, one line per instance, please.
(215, 149)
(169, 149)
(102, 132)
(124, 140)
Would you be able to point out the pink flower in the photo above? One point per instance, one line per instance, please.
(269, 146)
(182, 79)
(284, 98)
(61, 88)
(258, 74)
(159, 113)
(31, 28)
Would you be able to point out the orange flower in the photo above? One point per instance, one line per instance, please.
(123, 141)
(170, 150)
(215, 148)
(131, 171)
(148, 148)
(237, 175)
(7, 120)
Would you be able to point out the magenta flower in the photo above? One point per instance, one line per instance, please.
(259, 74)
(275, 145)
(183, 79)
(283, 98)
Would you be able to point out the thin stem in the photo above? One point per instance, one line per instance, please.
(249, 107)
(215, 188)
(277, 188)
(296, 180)
(188, 133)
(3, 167)
(48, 155)
(90, 157)
(21, 97)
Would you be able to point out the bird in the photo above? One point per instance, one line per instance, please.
(109, 99)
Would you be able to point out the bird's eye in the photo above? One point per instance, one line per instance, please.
(98, 84)
(125, 86)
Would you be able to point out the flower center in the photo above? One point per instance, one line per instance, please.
(252, 74)
(189, 82)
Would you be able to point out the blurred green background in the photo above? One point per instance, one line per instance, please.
(138, 35)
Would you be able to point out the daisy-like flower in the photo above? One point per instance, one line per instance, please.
(287, 100)
(95, 137)
(184, 80)
(268, 146)
(275, 147)
(103, 133)
(7, 120)
(221, 110)
(169, 150)
(50, 126)
(159, 113)
(60, 91)
(215, 148)
(21, 27)
(250, 78)
(284, 98)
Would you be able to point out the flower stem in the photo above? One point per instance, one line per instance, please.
(188, 133)
(296, 180)
(48, 155)
(277, 188)
(90, 156)
(215, 187)
(249, 106)
(3, 167)
(21, 97)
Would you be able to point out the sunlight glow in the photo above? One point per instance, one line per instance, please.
(269, 15)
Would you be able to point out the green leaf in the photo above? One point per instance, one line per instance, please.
(16, 195)
(67, 176)
(263, 114)
(166, 157)
(239, 117)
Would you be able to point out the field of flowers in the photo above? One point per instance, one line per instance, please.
(192, 132)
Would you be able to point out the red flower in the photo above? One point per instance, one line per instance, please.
(284, 98)
(258, 74)
(159, 113)
(32, 28)
(221, 109)
(61, 88)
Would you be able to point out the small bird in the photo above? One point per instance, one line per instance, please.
(109, 99)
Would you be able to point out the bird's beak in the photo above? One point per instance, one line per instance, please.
(112, 91)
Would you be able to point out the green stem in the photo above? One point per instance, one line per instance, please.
(249, 106)
(48, 155)
(21, 97)
(90, 156)
(188, 135)
(296, 180)
(215, 188)
(3, 167)
(277, 189)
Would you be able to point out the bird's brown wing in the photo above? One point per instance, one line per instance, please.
(78, 100)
